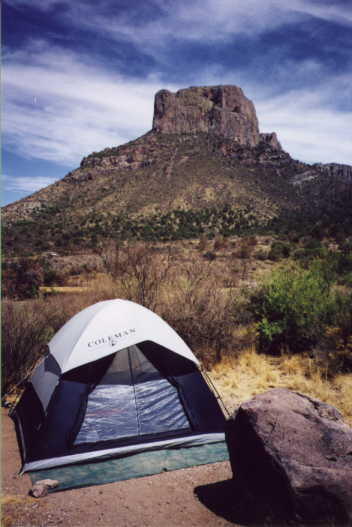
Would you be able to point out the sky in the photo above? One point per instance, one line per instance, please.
(80, 76)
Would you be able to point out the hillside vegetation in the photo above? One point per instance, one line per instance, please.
(165, 187)
(257, 311)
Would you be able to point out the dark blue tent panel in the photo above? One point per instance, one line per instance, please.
(141, 394)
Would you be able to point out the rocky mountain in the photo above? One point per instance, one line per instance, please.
(203, 168)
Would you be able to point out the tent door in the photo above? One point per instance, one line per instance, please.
(132, 399)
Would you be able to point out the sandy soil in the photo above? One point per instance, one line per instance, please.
(188, 497)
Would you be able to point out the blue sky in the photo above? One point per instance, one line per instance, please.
(81, 75)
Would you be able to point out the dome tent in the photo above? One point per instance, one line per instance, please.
(117, 380)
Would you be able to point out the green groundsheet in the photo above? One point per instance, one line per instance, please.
(133, 466)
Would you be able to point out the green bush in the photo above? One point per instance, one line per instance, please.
(311, 243)
(279, 250)
(335, 346)
(292, 309)
(22, 279)
(305, 256)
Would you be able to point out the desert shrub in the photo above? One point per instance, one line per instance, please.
(346, 245)
(246, 247)
(346, 279)
(220, 242)
(344, 263)
(209, 255)
(241, 307)
(334, 351)
(334, 347)
(252, 241)
(201, 312)
(139, 271)
(300, 254)
(51, 275)
(334, 265)
(109, 253)
(24, 335)
(279, 250)
(262, 254)
(341, 315)
(203, 242)
(306, 255)
(21, 279)
(292, 309)
(311, 242)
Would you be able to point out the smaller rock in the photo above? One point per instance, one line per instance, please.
(41, 487)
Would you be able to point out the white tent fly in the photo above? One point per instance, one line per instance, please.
(117, 380)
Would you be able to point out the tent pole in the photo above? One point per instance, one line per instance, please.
(134, 389)
(212, 386)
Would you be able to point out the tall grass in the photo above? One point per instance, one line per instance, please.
(200, 311)
(240, 377)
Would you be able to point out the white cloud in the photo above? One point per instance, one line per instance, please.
(26, 184)
(60, 110)
(308, 128)
(195, 20)
(313, 123)
(60, 106)
(341, 14)
(205, 20)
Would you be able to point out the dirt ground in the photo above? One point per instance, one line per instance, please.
(189, 497)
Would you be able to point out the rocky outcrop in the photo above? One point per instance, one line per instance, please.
(292, 456)
(221, 110)
(271, 140)
(337, 171)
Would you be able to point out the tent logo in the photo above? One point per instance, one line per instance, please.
(111, 339)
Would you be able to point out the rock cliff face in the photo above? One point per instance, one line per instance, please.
(220, 110)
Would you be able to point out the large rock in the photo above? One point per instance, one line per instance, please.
(292, 458)
(222, 110)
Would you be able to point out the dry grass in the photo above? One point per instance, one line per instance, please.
(15, 499)
(238, 378)
(62, 289)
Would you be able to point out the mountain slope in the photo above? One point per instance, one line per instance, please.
(204, 167)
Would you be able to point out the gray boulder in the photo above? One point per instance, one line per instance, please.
(291, 458)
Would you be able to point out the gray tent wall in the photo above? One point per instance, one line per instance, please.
(139, 398)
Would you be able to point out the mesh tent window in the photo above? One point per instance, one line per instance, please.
(133, 398)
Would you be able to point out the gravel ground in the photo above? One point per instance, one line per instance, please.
(189, 497)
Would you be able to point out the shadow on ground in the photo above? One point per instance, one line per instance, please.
(224, 499)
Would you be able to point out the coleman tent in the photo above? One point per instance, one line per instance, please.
(117, 380)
